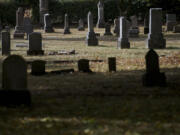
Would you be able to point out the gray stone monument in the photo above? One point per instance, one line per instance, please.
(155, 37)
(123, 41)
(19, 29)
(153, 77)
(101, 22)
(146, 24)
(14, 82)
(66, 24)
(116, 26)
(47, 24)
(170, 21)
(6, 43)
(81, 25)
(107, 30)
(91, 39)
(28, 27)
(134, 30)
(35, 44)
(43, 6)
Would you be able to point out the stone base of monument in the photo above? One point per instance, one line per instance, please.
(35, 52)
(133, 32)
(170, 26)
(101, 25)
(146, 30)
(16, 98)
(176, 29)
(107, 34)
(157, 79)
(123, 43)
(48, 29)
(156, 41)
(81, 29)
(67, 31)
(18, 35)
(91, 39)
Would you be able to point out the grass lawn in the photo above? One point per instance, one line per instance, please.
(99, 103)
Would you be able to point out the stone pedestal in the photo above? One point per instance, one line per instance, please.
(155, 37)
(123, 41)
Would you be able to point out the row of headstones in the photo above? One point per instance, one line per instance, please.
(14, 76)
(155, 37)
(35, 44)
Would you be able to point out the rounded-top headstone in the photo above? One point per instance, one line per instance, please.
(14, 73)
(35, 41)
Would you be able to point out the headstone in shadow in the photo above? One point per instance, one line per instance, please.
(83, 66)
(38, 67)
(112, 64)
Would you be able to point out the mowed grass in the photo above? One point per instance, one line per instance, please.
(102, 102)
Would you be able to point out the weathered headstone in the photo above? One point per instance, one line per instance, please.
(43, 6)
(170, 21)
(35, 44)
(38, 67)
(107, 29)
(5, 43)
(123, 41)
(14, 82)
(101, 22)
(134, 30)
(91, 39)
(146, 24)
(28, 27)
(19, 29)
(81, 25)
(112, 64)
(176, 29)
(47, 24)
(66, 24)
(83, 65)
(155, 37)
(153, 77)
(116, 26)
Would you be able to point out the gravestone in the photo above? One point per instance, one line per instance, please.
(38, 67)
(47, 24)
(14, 82)
(146, 24)
(5, 43)
(35, 44)
(112, 64)
(116, 26)
(91, 39)
(83, 65)
(155, 37)
(153, 77)
(123, 41)
(81, 25)
(28, 27)
(101, 22)
(66, 25)
(19, 29)
(134, 30)
(176, 29)
(107, 29)
(43, 6)
(170, 21)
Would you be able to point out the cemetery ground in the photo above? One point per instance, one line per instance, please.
(99, 102)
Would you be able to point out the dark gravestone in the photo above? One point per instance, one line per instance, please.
(6, 43)
(38, 67)
(83, 65)
(35, 44)
(107, 29)
(112, 64)
(153, 77)
(14, 82)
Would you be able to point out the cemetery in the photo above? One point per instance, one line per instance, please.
(89, 71)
